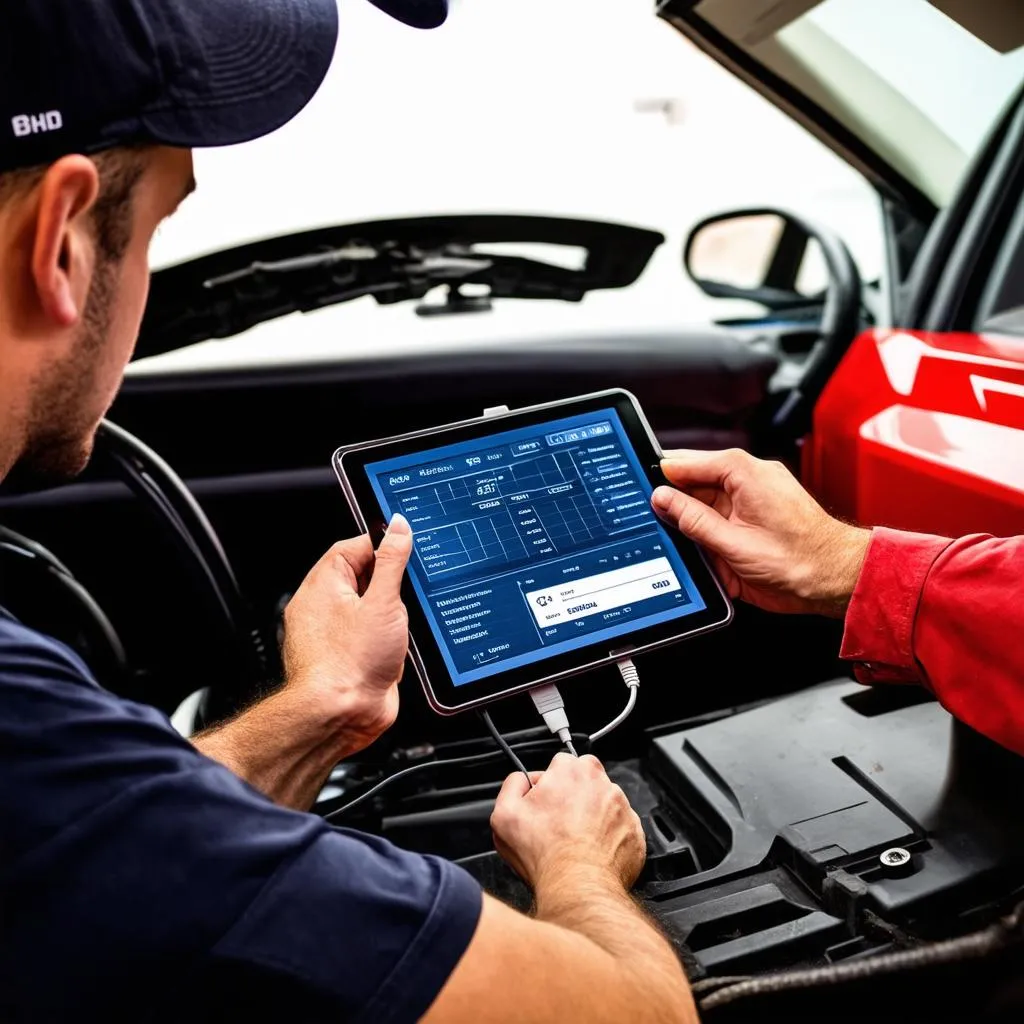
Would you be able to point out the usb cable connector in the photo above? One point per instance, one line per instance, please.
(548, 702)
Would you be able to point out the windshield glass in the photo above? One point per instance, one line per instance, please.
(575, 108)
(914, 84)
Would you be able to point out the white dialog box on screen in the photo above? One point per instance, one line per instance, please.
(604, 592)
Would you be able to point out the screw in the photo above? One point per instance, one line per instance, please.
(896, 860)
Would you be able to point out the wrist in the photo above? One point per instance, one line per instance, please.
(347, 712)
(838, 563)
(560, 875)
(573, 888)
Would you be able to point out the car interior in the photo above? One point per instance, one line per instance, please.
(816, 847)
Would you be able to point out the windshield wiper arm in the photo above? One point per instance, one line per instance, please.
(391, 262)
(403, 260)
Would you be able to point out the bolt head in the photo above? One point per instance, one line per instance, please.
(895, 858)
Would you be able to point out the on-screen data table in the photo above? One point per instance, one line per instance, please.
(531, 538)
(521, 503)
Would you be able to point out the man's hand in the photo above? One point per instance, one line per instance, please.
(574, 822)
(346, 634)
(772, 544)
(588, 952)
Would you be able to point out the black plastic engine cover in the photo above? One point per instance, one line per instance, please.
(795, 801)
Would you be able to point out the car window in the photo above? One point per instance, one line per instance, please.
(918, 87)
(575, 108)
(1001, 307)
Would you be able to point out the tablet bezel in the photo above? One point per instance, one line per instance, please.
(424, 648)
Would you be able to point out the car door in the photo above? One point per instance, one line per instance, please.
(920, 426)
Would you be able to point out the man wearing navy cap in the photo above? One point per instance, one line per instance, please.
(140, 879)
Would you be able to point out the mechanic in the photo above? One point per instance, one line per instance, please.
(140, 878)
(918, 609)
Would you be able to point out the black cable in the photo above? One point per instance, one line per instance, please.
(973, 946)
(470, 759)
(509, 752)
(465, 761)
(515, 738)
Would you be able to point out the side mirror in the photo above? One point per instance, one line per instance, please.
(765, 256)
(783, 262)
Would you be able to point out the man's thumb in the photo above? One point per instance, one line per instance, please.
(693, 518)
(391, 559)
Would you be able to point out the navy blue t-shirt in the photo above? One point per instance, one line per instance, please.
(140, 880)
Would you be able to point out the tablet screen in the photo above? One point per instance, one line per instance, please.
(534, 542)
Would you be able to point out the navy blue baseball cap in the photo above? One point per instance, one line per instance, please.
(81, 76)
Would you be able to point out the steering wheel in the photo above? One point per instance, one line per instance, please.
(178, 515)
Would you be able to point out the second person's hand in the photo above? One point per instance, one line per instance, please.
(771, 543)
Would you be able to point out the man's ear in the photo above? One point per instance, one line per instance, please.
(63, 254)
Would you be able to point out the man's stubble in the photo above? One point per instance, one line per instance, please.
(61, 421)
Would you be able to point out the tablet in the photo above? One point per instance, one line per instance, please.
(536, 554)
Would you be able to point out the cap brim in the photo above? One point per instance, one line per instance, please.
(261, 63)
(418, 13)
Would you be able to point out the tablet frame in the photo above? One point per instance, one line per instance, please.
(442, 694)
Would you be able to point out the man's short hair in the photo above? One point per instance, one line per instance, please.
(120, 171)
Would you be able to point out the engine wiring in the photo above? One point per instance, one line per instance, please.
(551, 706)
(463, 761)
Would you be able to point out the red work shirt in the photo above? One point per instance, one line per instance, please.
(948, 614)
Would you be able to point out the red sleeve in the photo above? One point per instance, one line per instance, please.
(947, 614)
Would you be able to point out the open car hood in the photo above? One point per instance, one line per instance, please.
(226, 293)
(878, 81)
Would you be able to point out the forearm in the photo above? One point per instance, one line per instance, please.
(596, 907)
(879, 634)
(928, 609)
(548, 970)
(285, 746)
(967, 635)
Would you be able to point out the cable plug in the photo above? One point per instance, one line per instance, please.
(628, 671)
(548, 702)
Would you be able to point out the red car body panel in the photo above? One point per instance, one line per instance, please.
(923, 432)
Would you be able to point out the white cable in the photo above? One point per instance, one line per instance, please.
(548, 701)
(631, 678)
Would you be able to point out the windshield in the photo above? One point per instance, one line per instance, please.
(575, 108)
(916, 86)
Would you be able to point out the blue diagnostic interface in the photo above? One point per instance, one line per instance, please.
(534, 542)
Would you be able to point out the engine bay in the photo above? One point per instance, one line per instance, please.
(825, 826)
